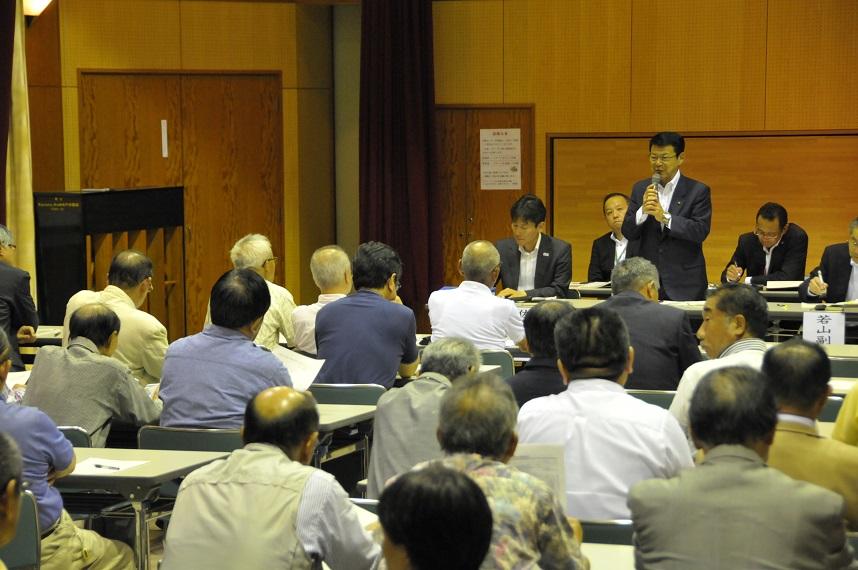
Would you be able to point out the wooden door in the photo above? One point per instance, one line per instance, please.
(469, 213)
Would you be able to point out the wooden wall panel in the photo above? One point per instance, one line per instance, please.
(46, 132)
(156, 302)
(174, 283)
(313, 27)
(812, 68)
(811, 175)
(698, 65)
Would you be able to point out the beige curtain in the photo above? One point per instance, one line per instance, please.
(19, 160)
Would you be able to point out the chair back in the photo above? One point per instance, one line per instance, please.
(608, 532)
(355, 394)
(831, 409)
(500, 358)
(76, 435)
(844, 367)
(25, 550)
(370, 505)
(660, 398)
(189, 439)
(852, 538)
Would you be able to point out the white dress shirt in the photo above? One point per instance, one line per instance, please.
(527, 266)
(472, 312)
(304, 322)
(612, 440)
(620, 247)
(665, 195)
(768, 252)
(852, 289)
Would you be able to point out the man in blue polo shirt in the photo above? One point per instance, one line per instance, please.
(368, 337)
(48, 456)
(209, 377)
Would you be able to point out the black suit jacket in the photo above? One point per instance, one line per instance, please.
(662, 338)
(539, 377)
(17, 308)
(836, 271)
(676, 252)
(553, 266)
(788, 258)
(603, 254)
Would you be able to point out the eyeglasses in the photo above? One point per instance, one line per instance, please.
(11, 246)
(270, 259)
(853, 241)
(661, 157)
(767, 235)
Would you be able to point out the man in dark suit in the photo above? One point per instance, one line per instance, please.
(18, 315)
(662, 337)
(613, 247)
(671, 216)
(533, 264)
(836, 278)
(775, 251)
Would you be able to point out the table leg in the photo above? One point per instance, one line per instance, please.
(141, 535)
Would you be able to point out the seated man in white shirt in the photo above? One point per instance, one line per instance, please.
(332, 274)
(264, 506)
(471, 311)
(612, 440)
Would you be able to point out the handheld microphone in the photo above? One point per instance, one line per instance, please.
(656, 179)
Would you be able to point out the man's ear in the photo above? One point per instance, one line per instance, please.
(308, 448)
(541, 226)
(739, 325)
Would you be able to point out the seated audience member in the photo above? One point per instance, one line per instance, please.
(209, 377)
(798, 373)
(775, 251)
(836, 278)
(10, 493)
(368, 337)
(49, 456)
(612, 440)
(735, 319)
(613, 247)
(470, 310)
(415, 405)
(80, 385)
(264, 506)
(18, 316)
(661, 335)
(732, 511)
(540, 376)
(434, 518)
(533, 264)
(143, 340)
(332, 274)
(476, 429)
(253, 251)
(846, 426)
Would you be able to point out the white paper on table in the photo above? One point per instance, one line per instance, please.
(590, 285)
(684, 303)
(771, 285)
(302, 369)
(15, 378)
(104, 466)
(545, 462)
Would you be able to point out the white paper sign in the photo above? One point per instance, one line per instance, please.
(500, 159)
(824, 328)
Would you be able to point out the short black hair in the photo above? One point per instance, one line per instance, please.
(741, 299)
(798, 372)
(668, 138)
(592, 342)
(128, 269)
(238, 298)
(771, 211)
(287, 431)
(528, 208)
(11, 464)
(440, 516)
(539, 323)
(94, 321)
(732, 406)
(373, 265)
(614, 195)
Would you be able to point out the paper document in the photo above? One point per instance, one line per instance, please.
(103, 466)
(302, 369)
(782, 285)
(15, 378)
(544, 462)
(684, 303)
(590, 285)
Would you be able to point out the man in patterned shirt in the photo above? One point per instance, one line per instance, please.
(476, 429)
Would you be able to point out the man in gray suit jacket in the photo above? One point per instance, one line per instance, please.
(661, 335)
(733, 511)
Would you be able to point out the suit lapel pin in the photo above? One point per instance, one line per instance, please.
(545, 253)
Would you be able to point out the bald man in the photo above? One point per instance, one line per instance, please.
(263, 506)
(471, 311)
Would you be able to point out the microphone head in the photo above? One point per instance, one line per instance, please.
(656, 179)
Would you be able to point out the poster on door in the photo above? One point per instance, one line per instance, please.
(500, 159)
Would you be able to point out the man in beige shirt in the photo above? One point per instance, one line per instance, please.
(332, 274)
(142, 338)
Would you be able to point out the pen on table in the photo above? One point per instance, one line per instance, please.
(113, 467)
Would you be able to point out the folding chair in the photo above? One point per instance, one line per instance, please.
(660, 398)
(360, 394)
(25, 550)
(500, 358)
(189, 439)
(76, 435)
(608, 532)
(831, 409)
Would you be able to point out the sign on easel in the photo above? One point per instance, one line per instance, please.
(824, 328)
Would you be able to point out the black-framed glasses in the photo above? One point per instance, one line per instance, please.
(767, 235)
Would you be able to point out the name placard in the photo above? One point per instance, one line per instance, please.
(824, 328)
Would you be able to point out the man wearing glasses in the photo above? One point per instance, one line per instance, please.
(671, 214)
(775, 251)
(836, 278)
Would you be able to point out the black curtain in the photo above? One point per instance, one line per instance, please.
(7, 45)
(398, 192)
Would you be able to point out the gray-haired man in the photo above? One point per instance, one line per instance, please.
(332, 274)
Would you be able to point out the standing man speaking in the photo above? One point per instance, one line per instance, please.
(671, 214)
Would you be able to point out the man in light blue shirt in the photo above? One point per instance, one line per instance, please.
(209, 377)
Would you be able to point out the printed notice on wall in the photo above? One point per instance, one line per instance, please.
(500, 159)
